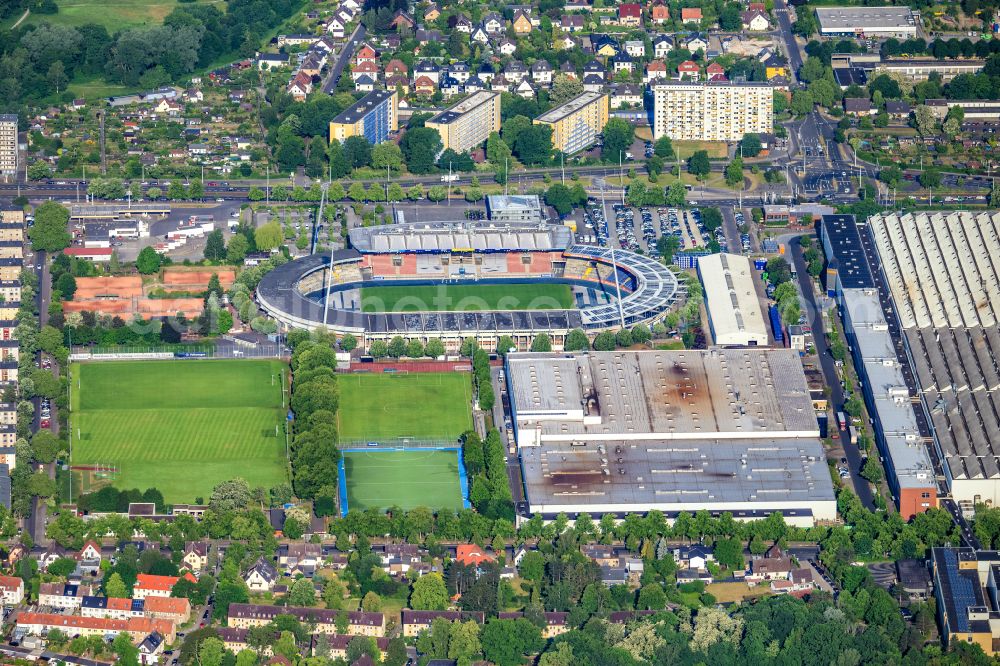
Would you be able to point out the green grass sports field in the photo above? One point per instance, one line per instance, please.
(115, 14)
(381, 479)
(181, 426)
(384, 407)
(467, 297)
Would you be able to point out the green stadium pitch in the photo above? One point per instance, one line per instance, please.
(382, 478)
(181, 426)
(467, 297)
(387, 406)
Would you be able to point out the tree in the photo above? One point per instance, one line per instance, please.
(237, 249)
(233, 495)
(734, 172)
(558, 196)
(378, 349)
(750, 145)
(663, 147)
(420, 148)
(565, 88)
(463, 641)
(66, 285)
(778, 270)
(699, 164)
(930, 178)
(429, 593)
(115, 587)
(371, 603)
(676, 193)
(711, 218)
(50, 233)
(541, 343)
(434, 348)
(802, 102)
(215, 246)
(197, 190)
(387, 154)
(348, 342)
(576, 340)
(128, 654)
(268, 236)
(534, 145)
(872, 470)
(211, 652)
(302, 593)
(925, 120)
(357, 151)
(505, 642)
(39, 171)
(397, 347)
(148, 261)
(618, 137)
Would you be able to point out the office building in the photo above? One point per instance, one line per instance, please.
(881, 22)
(692, 111)
(631, 431)
(8, 145)
(374, 116)
(965, 588)
(734, 312)
(468, 124)
(514, 208)
(577, 123)
(920, 69)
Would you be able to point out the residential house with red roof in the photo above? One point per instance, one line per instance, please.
(688, 70)
(659, 13)
(471, 554)
(630, 15)
(12, 589)
(365, 54)
(691, 15)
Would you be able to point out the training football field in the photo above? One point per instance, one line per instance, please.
(181, 426)
(384, 407)
(467, 297)
(382, 479)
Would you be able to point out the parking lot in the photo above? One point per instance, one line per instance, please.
(639, 229)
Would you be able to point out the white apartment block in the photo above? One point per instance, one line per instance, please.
(468, 124)
(8, 145)
(711, 111)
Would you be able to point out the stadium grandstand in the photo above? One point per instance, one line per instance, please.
(330, 290)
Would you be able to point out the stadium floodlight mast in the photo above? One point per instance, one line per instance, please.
(614, 266)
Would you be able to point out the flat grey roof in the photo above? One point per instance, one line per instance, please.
(512, 202)
(847, 19)
(570, 107)
(724, 393)
(945, 283)
(363, 107)
(704, 473)
(468, 104)
(884, 377)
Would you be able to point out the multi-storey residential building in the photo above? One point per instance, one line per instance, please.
(469, 123)
(8, 145)
(374, 116)
(576, 124)
(711, 111)
(244, 616)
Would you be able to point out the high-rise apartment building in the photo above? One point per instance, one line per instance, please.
(711, 111)
(576, 124)
(373, 117)
(468, 124)
(8, 145)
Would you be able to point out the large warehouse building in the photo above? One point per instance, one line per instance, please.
(630, 431)
(734, 312)
(867, 21)
(944, 279)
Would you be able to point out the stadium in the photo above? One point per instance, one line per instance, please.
(452, 281)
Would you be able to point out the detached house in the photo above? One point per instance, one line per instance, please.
(261, 577)
(195, 555)
(571, 23)
(773, 566)
(656, 69)
(461, 24)
(688, 70)
(541, 72)
(755, 21)
(395, 67)
(659, 13)
(493, 24)
(662, 46)
(691, 15)
(12, 589)
(365, 54)
(522, 22)
(630, 15)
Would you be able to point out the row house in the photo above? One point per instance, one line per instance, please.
(149, 585)
(138, 628)
(360, 623)
(415, 621)
(66, 596)
(176, 610)
(556, 622)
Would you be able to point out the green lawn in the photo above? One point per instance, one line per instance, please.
(384, 407)
(467, 297)
(381, 479)
(181, 426)
(114, 14)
